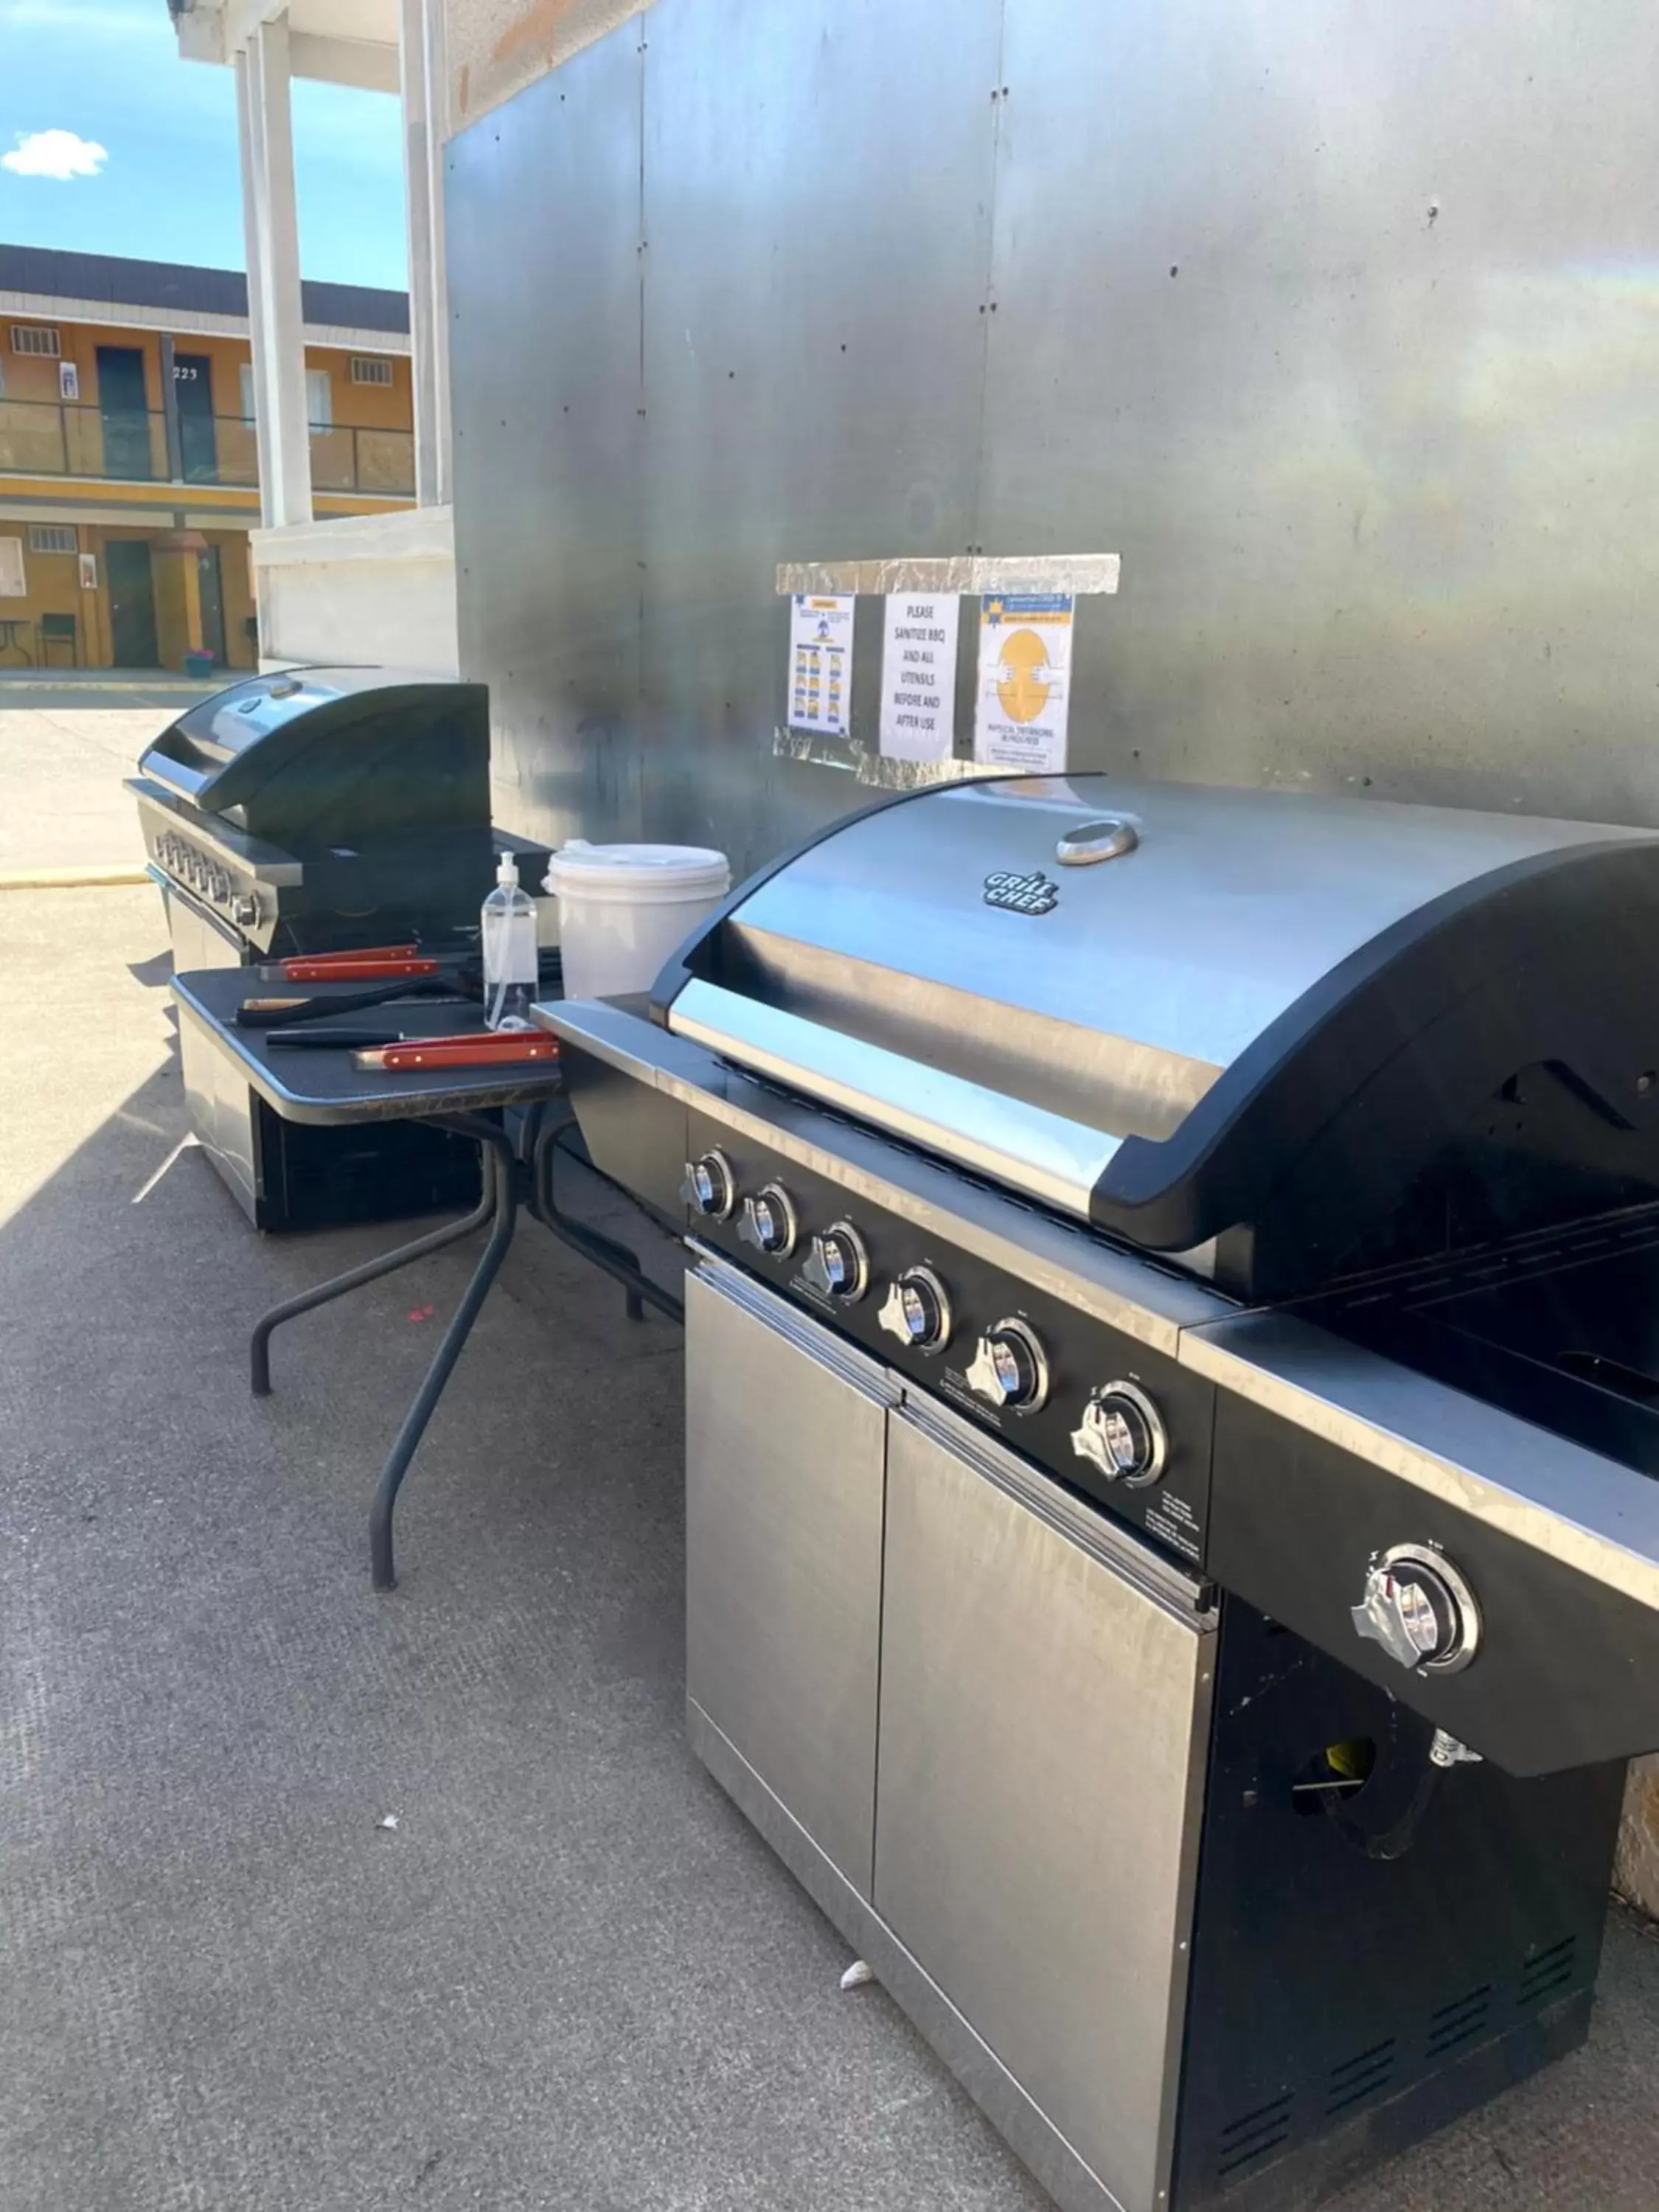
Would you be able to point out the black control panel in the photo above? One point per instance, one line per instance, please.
(1098, 1409)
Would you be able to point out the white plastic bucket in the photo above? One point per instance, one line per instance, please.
(623, 908)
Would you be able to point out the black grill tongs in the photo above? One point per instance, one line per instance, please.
(269, 1012)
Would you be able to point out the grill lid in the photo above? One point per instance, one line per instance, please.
(344, 755)
(1145, 1003)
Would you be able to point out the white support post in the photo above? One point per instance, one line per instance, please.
(421, 58)
(275, 322)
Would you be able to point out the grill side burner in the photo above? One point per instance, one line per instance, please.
(1264, 1213)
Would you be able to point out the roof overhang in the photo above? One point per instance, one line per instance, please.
(42, 308)
(339, 41)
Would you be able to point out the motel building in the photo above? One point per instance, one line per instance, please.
(130, 452)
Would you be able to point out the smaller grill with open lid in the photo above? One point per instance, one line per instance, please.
(322, 810)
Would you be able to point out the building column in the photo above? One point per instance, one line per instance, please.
(276, 323)
(421, 62)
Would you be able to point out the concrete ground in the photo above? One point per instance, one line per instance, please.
(67, 738)
(569, 1976)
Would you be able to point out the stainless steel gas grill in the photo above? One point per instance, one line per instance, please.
(320, 811)
(1173, 1383)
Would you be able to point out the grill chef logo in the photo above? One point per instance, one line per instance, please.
(1032, 894)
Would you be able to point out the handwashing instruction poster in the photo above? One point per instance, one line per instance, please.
(1024, 686)
(821, 662)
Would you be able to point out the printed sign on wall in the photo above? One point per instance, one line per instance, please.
(14, 584)
(919, 676)
(821, 661)
(1024, 681)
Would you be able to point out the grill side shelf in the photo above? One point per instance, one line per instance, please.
(1327, 1455)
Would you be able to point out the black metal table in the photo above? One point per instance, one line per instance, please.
(326, 1087)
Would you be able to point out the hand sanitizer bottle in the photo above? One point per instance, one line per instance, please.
(509, 932)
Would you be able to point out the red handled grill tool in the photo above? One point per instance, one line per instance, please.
(494, 1049)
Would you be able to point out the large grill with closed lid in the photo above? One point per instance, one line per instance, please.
(1251, 1200)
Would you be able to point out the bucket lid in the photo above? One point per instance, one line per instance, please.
(637, 871)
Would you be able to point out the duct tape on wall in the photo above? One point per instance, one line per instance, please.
(1079, 574)
(853, 757)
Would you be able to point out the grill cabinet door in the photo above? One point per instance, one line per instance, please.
(1044, 1729)
(785, 1466)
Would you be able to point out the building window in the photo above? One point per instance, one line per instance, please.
(365, 369)
(34, 337)
(320, 398)
(52, 538)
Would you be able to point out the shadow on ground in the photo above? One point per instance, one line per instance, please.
(569, 1976)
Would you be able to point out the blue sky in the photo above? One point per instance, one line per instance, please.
(168, 187)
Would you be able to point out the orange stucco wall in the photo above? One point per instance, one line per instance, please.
(44, 434)
(54, 588)
(47, 457)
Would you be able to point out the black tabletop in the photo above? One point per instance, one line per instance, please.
(325, 1086)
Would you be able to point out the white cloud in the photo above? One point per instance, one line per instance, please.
(59, 154)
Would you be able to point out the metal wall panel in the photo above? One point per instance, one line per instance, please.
(1375, 455)
(545, 301)
(813, 360)
(1303, 312)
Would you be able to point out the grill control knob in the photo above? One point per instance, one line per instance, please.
(917, 1310)
(769, 1221)
(1420, 1610)
(1122, 1433)
(1010, 1367)
(709, 1187)
(245, 911)
(838, 1265)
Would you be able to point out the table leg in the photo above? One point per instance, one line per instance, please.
(505, 1207)
(369, 1271)
(606, 1253)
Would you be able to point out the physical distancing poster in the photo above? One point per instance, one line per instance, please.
(1025, 683)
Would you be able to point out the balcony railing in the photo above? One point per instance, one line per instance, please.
(47, 438)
